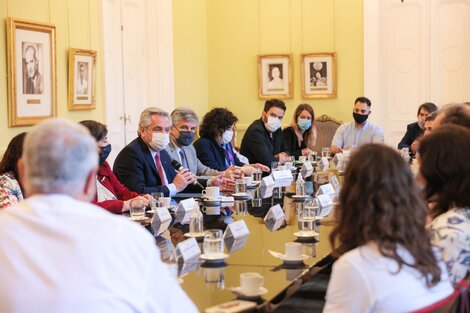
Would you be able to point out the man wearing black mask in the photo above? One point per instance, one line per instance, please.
(359, 132)
(184, 124)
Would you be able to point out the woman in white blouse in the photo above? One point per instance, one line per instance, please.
(386, 261)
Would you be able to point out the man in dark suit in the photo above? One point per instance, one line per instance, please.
(263, 141)
(144, 166)
(416, 129)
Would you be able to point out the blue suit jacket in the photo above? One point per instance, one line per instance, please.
(212, 155)
(135, 168)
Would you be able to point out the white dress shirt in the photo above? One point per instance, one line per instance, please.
(63, 255)
(349, 135)
(364, 281)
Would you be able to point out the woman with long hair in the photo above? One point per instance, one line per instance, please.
(110, 193)
(445, 171)
(301, 135)
(10, 189)
(386, 263)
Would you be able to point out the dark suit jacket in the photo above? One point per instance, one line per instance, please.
(258, 146)
(212, 155)
(413, 131)
(291, 143)
(136, 169)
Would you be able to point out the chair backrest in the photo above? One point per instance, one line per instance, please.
(326, 128)
(457, 302)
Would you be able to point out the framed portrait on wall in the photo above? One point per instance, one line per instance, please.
(319, 75)
(275, 76)
(82, 82)
(31, 55)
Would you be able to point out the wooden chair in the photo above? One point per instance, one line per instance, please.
(457, 302)
(326, 128)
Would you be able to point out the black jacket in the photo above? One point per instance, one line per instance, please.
(413, 131)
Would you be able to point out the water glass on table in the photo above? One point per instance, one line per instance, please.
(159, 199)
(257, 175)
(325, 152)
(213, 242)
(137, 209)
(240, 186)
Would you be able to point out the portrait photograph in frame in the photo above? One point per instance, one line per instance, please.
(275, 76)
(82, 82)
(318, 75)
(32, 90)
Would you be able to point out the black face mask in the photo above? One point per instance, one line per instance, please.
(186, 137)
(360, 118)
(104, 153)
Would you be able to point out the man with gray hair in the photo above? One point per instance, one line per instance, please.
(144, 166)
(62, 254)
(182, 131)
(455, 113)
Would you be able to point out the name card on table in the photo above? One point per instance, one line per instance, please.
(324, 164)
(266, 187)
(326, 189)
(338, 161)
(188, 249)
(274, 218)
(235, 244)
(306, 169)
(282, 175)
(335, 183)
(186, 205)
(324, 200)
(161, 219)
(237, 230)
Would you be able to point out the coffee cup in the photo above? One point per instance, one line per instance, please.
(302, 158)
(293, 250)
(166, 201)
(251, 282)
(211, 192)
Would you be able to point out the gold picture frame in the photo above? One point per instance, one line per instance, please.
(318, 75)
(275, 76)
(82, 79)
(31, 62)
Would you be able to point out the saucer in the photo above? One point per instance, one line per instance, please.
(241, 195)
(138, 218)
(260, 292)
(216, 257)
(211, 198)
(300, 197)
(306, 234)
(298, 259)
(194, 235)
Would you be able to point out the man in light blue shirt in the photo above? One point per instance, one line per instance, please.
(359, 132)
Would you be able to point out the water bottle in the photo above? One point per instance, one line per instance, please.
(300, 186)
(196, 220)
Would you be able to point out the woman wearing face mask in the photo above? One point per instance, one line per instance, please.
(300, 136)
(213, 148)
(110, 193)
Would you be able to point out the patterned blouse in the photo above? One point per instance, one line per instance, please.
(451, 233)
(10, 191)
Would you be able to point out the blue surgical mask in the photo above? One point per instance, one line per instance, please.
(304, 123)
(104, 153)
(185, 138)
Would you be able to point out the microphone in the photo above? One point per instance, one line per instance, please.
(177, 165)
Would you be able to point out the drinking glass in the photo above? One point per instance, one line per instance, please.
(240, 186)
(137, 210)
(213, 242)
(158, 196)
(257, 175)
(325, 152)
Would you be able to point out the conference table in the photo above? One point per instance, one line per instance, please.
(209, 284)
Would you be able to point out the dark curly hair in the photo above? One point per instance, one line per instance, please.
(380, 202)
(445, 167)
(215, 122)
(12, 155)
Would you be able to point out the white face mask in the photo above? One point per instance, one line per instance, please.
(227, 136)
(273, 124)
(159, 141)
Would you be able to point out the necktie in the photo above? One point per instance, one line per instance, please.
(160, 168)
(183, 159)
